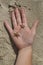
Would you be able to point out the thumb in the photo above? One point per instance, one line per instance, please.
(34, 27)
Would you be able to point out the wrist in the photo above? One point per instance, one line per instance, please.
(26, 50)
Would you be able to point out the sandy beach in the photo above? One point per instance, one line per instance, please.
(34, 10)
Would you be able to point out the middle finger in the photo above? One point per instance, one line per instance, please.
(18, 17)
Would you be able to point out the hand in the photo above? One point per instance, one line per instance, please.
(22, 35)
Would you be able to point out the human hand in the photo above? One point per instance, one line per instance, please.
(22, 35)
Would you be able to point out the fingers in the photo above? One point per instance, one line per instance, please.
(34, 27)
(18, 17)
(35, 24)
(14, 20)
(8, 27)
(23, 16)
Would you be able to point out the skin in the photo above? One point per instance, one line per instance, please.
(25, 37)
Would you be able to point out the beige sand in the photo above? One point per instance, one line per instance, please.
(34, 10)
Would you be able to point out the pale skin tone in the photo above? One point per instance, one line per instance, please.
(24, 40)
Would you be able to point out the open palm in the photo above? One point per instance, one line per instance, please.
(22, 35)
